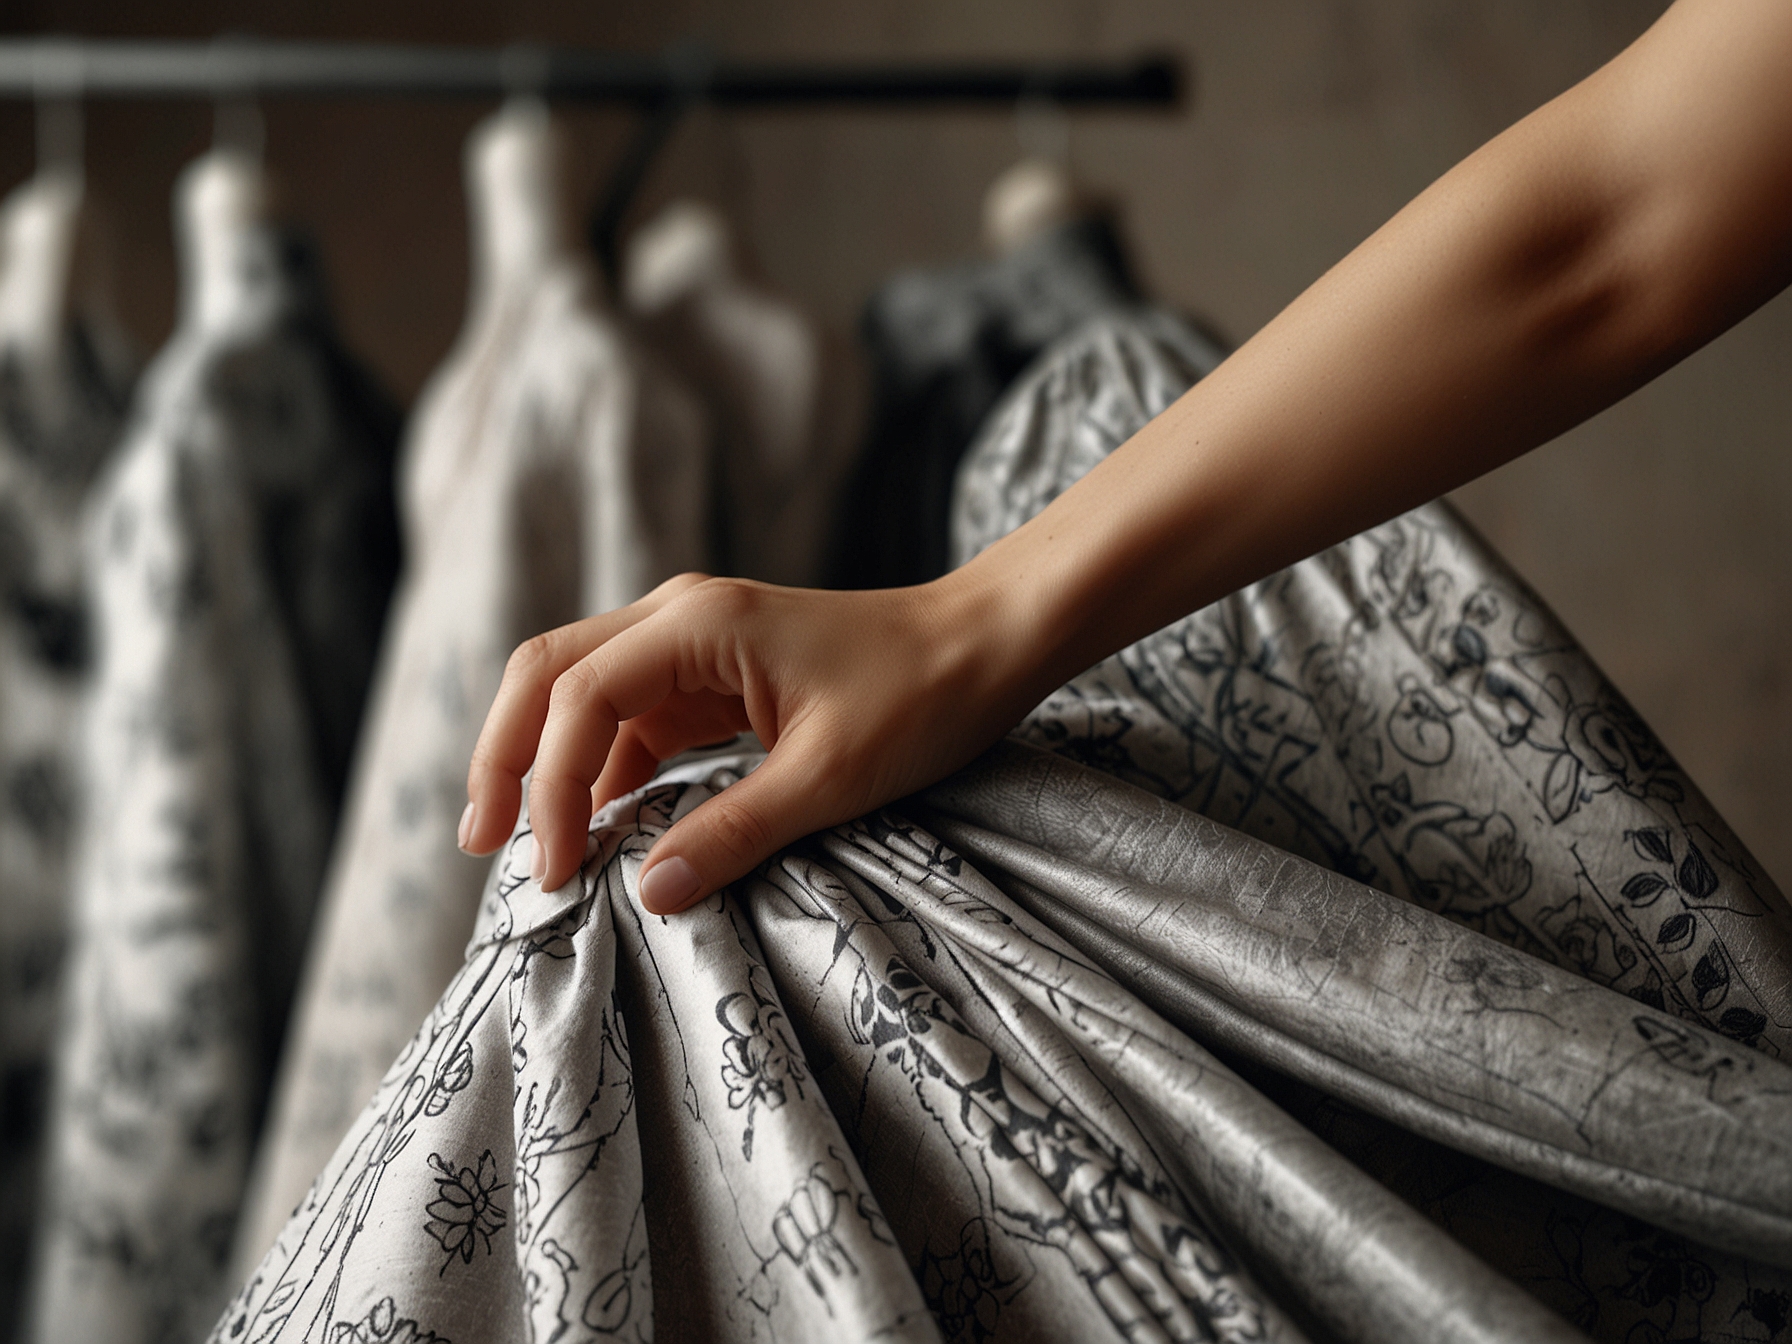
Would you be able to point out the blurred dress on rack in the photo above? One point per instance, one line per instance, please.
(1370, 846)
(65, 375)
(786, 401)
(945, 343)
(240, 547)
(551, 471)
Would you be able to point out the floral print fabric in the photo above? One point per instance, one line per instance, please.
(1402, 709)
(62, 402)
(206, 806)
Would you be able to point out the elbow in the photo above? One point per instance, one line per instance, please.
(1615, 299)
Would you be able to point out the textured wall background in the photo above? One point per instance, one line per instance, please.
(1658, 530)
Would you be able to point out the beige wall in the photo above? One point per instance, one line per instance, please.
(1658, 530)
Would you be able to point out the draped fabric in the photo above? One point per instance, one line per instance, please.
(206, 800)
(63, 385)
(551, 472)
(1402, 709)
(1044, 1054)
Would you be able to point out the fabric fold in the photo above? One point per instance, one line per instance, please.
(1397, 1010)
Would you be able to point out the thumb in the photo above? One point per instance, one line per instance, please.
(729, 836)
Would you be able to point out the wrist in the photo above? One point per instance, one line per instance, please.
(1009, 627)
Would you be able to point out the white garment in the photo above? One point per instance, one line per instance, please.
(204, 834)
(63, 381)
(787, 403)
(551, 472)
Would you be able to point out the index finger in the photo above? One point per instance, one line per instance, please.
(512, 732)
(625, 678)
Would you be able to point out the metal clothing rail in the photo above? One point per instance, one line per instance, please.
(265, 68)
(662, 88)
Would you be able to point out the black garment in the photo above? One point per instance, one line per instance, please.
(944, 345)
(319, 438)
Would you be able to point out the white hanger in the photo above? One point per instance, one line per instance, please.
(684, 249)
(40, 220)
(514, 171)
(220, 202)
(1028, 199)
(1038, 193)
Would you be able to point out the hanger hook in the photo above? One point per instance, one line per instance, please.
(58, 74)
(1042, 127)
(525, 70)
(237, 121)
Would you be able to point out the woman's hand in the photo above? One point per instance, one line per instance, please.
(860, 697)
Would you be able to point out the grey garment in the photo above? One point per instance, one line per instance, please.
(866, 1095)
(944, 345)
(216, 538)
(58, 417)
(784, 397)
(871, 1094)
(1403, 709)
(936, 1073)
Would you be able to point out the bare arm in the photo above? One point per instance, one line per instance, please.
(1555, 270)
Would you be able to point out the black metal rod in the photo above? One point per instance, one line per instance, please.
(243, 67)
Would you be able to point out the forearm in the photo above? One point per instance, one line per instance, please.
(1559, 268)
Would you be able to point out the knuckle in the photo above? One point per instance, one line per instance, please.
(576, 684)
(727, 600)
(674, 588)
(531, 659)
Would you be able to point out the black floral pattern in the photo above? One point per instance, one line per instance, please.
(63, 395)
(465, 1211)
(233, 598)
(760, 1065)
(383, 1325)
(551, 470)
(962, 1287)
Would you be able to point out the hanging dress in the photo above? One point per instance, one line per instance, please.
(784, 400)
(550, 473)
(64, 378)
(207, 815)
(1034, 1054)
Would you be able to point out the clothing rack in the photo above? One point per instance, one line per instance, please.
(230, 67)
(661, 87)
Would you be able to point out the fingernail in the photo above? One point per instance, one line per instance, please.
(538, 859)
(668, 886)
(466, 828)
